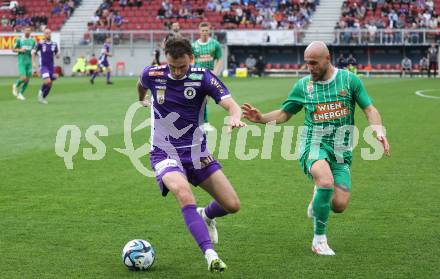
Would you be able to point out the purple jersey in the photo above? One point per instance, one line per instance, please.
(103, 57)
(178, 105)
(46, 50)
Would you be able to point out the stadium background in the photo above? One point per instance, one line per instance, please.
(57, 223)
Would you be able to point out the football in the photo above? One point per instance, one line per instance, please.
(138, 254)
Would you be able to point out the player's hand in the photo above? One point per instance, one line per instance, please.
(386, 146)
(235, 123)
(251, 113)
(145, 103)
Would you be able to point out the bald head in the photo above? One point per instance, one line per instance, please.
(317, 48)
(317, 59)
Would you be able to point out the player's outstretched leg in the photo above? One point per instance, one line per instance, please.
(92, 79)
(321, 209)
(44, 91)
(209, 214)
(179, 186)
(20, 95)
(108, 77)
(323, 177)
(225, 201)
(16, 86)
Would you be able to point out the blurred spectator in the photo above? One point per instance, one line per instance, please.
(260, 66)
(80, 66)
(424, 65)
(250, 63)
(232, 63)
(5, 21)
(351, 60)
(406, 66)
(341, 61)
(433, 63)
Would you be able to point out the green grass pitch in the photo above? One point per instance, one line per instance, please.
(59, 223)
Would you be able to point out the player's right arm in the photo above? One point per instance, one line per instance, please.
(142, 93)
(254, 115)
(17, 47)
(143, 85)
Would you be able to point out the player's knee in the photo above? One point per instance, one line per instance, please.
(233, 206)
(325, 182)
(338, 206)
(182, 192)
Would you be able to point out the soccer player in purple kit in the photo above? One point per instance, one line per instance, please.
(103, 64)
(46, 49)
(179, 154)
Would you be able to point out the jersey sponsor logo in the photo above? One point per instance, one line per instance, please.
(192, 83)
(160, 80)
(156, 74)
(189, 93)
(330, 111)
(217, 85)
(195, 76)
(205, 58)
(162, 165)
(160, 96)
(162, 87)
(198, 69)
(161, 67)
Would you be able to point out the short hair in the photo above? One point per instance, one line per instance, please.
(178, 46)
(204, 24)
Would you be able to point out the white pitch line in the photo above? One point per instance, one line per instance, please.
(420, 93)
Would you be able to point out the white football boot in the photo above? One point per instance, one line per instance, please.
(210, 223)
(41, 99)
(20, 97)
(320, 246)
(14, 90)
(215, 264)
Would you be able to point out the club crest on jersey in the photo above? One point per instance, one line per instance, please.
(189, 93)
(195, 76)
(343, 93)
(160, 95)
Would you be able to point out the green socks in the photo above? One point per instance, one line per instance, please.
(321, 209)
(23, 88)
(18, 82)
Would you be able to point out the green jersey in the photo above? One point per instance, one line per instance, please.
(205, 54)
(327, 103)
(28, 44)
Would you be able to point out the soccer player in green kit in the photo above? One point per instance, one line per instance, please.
(328, 96)
(207, 54)
(23, 46)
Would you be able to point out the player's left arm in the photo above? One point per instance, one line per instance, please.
(372, 114)
(218, 60)
(375, 121)
(234, 110)
(57, 52)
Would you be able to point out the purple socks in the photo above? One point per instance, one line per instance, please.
(108, 76)
(94, 74)
(197, 227)
(45, 89)
(214, 210)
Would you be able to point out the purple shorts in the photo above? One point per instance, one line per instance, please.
(47, 72)
(163, 163)
(103, 63)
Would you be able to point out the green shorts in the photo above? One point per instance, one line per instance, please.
(341, 171)
(25, 70)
